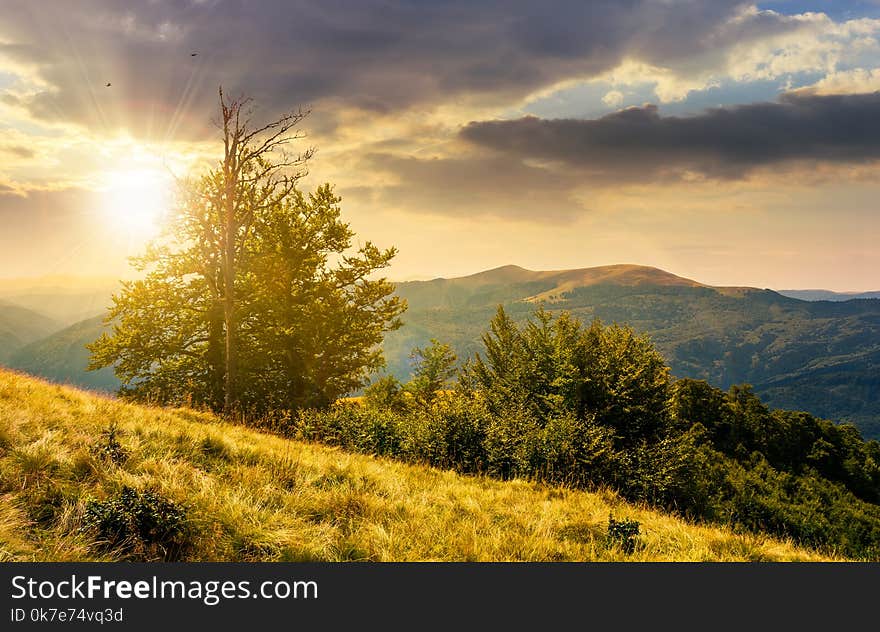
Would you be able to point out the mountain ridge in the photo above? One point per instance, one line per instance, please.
(822, 357)
(819, 356)
(828, 295)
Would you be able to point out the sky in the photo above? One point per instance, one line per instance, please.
(729, 142)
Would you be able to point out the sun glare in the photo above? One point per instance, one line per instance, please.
(135, 201)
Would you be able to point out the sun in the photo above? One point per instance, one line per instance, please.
(136, 200)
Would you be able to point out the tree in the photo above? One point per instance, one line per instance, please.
(312, 332)
(553, 366)
(256, 174)
(626, 383)
(434, 367)
(539, 367)
(252, 298)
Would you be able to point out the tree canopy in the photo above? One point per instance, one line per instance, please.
(253, 299)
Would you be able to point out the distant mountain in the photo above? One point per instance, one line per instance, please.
(66, 300)
(823, 357)
(63, 357)
(19, 326)
(827, 295)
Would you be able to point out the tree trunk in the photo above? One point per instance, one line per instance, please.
(216, 363)
(230, 402)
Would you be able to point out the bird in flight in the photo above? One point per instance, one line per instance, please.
(108, 85)
(193, 54)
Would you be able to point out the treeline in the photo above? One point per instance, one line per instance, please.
(596, 406)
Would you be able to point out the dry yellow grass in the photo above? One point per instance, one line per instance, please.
(253, 496)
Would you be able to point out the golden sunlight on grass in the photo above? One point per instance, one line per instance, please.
(254, 496)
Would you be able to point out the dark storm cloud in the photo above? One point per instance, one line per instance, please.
(379, 56)
(725, 142)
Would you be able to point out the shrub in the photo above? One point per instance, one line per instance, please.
(142, 525)
(463, 424)
(386, 392)
(623, 533)
(108, 446)
(513, 445)
(577, 451)
(421, 437)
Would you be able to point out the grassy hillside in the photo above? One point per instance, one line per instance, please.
(243, 495)
(821, 357)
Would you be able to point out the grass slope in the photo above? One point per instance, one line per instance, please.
(253, 496)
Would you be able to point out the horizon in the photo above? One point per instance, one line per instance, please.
(742, 148)
(47, 281)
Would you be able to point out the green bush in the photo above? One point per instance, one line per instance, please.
(108, 446)
(623, 533)
(513, 444)
(461, 427)
(576, 451)
(140, 525)
(386, 392)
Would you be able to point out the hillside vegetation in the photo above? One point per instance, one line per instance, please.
(823, 357)
(78, 472)
(820, 357)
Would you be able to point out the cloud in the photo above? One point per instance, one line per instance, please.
(376, 56)
(18, 151)
(752, 47)
(854, 81)
(726, 142)
(613, 98)
(470, 186)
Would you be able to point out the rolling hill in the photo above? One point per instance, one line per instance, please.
(827, 295)
(234, 494)
(19, 326)
(822, 357)
(62, 357)
(66, 300)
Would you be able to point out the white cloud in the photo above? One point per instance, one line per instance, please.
(814, 43)
(855, 81)
(613, 98)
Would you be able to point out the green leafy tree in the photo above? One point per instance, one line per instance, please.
(386, 393)
(434, 367)
(313, 330)
(299, 321)
(257, 174)
(626, 383)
